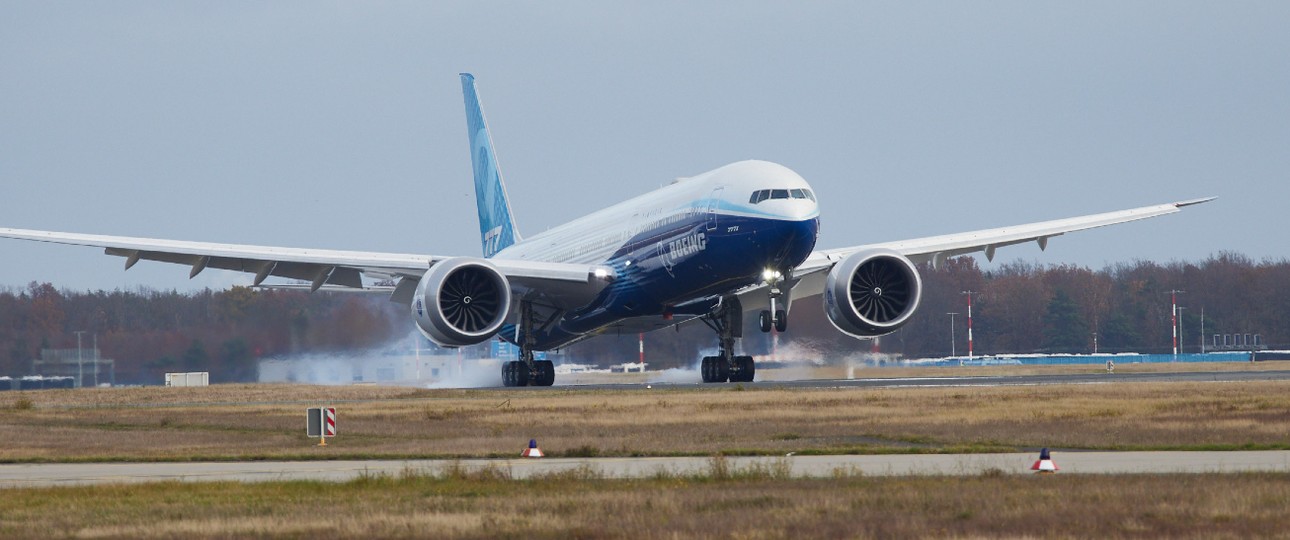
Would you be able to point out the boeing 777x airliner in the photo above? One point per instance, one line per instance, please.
(735, 240)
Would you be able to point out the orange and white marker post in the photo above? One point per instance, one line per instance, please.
(1045, 463)
(329, 425)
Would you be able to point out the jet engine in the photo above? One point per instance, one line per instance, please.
(872, 293)
(461, 301)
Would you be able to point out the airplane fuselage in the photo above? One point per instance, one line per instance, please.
(676, 249)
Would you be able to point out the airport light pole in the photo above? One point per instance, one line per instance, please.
(953, 351)
(969, 321)
(80, 365)
(1202, 329)
(1173, 318)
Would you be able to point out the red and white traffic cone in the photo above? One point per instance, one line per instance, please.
(1045, 463)
(532, 450)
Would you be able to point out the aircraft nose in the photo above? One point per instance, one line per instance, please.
(804, 210)
(797, 240)
(793, 209)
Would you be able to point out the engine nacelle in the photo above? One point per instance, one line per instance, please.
(872, 293)
(461, 301)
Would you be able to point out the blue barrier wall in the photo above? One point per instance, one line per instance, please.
(1100, 359)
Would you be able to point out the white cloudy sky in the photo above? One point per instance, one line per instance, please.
(340, 124)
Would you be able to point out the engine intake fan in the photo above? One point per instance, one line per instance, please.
(872, 293)
(461, 301)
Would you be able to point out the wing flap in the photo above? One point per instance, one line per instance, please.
(291, 270)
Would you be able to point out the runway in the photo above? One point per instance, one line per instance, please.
(46, 475)
(1000, 380)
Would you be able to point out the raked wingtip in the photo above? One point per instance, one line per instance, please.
(1194, 201)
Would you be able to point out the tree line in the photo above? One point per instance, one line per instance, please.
(1024, 308)
(149, 332)
(1017, 308)
(1028, 308)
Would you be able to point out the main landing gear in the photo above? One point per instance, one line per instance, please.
(526, 371)
(727, 322)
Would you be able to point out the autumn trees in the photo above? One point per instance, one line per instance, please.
(1025, 308)
(149, 332)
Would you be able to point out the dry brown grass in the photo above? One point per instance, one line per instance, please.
(267, 421)
(160, 396)
(489, 505)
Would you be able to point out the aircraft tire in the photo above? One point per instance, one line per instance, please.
(508, 373)
(545, 373)
(746, 370)
(522, 377)
(714, 369)
(765, 321)
(781, 321)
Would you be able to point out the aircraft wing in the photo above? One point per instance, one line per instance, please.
(319, 267)
(937, 248)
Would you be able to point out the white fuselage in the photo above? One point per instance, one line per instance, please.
(673, 249)
(596, 237)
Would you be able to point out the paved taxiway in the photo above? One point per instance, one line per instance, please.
(41, 475)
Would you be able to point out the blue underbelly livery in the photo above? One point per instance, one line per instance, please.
(685, 263)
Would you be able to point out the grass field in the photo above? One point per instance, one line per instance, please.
(230, 422)
(720, 503)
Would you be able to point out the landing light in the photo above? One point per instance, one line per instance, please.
(771, 275)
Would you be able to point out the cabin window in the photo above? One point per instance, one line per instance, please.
(779, 193)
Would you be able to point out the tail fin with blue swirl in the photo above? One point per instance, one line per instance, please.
(496, 223)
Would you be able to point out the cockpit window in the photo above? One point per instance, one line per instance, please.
(799, 193)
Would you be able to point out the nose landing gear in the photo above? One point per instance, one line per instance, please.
(774, 317)
(779, 322)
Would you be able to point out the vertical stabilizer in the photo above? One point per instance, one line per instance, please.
(496, 224)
